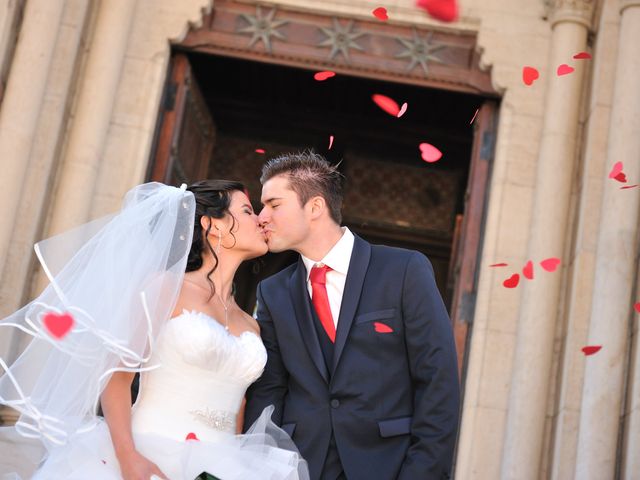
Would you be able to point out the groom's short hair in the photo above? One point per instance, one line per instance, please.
(309, 175)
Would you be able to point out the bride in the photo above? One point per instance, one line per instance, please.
(148, 290)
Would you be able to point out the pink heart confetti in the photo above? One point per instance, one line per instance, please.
(330, 141)
(260, 151)
(617, 169)
(636, 306)
(429, 153)
(402, 109)
(381, 13)
(443, 10)
(550, 264)
(322, 76)
(58, 325)
(382, 328)
(512, 281)
(564, 69)
(628, 186)
(582, 56)
(499, 265)
(474, 116)
(387, 104)
(527, 271)
(529, 75)
(191, 436)
(591, 349)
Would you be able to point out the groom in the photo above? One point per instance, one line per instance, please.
(361, 362)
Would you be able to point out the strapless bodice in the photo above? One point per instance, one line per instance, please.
(202, 378)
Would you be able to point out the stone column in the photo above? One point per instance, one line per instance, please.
(530, 383)
(21, 106)
(95, 101)
(617, 251)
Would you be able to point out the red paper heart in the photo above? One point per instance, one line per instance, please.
(402, 110)
(380, 13)
(260, 150)
(550, 264)
(191, 436)
(387, 104)
(429, 153)
(564, 69)
(529, 75)
(382, 328)
(617, 168)
(499, 265)
(512, 282)
(322, 76)
(58, 325)
(621, 177)
(527, 271)
(591, 349)
(628, 186)
(582, 56)
(637, 306)
(443, 10)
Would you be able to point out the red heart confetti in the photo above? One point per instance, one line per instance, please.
(330, 141)
(512, 281)
(58, 325)
(529, 75)
(192, 436)
(322, 76)
(628, 186)
(550, 264)
(621, 177)
(582, 56)
(429, 153)
(527, 271)
(499, 265)
(387, 104)
(260, 151)
(381, 13)
(443, 10)
(617, 168)
(591, 349)
(382, 328)
(637, 306)
(403, 109)
(474, 116)
(564, 69)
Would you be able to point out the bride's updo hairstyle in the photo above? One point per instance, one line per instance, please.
(213, 198)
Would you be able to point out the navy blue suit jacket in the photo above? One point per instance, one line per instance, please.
(391, 399)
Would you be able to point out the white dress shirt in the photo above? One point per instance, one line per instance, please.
(338, 259)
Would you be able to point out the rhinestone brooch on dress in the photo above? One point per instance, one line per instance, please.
(217, 419)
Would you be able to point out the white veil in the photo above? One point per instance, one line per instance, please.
(118, 278)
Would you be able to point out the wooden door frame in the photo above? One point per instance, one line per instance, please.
(225, 31)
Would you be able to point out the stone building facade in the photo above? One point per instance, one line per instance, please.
(82, 83)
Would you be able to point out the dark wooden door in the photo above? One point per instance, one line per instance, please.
(186, 133)
(467, 244)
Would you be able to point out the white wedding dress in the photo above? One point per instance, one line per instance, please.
(184, 419)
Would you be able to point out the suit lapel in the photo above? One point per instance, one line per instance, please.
(299, 294)
(351, 295)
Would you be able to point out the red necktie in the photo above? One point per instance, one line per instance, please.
(320, 299)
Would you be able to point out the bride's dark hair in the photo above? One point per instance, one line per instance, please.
(213, 198)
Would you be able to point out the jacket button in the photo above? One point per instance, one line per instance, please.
(335, 403)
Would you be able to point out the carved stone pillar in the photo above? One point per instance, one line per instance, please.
(530, 383)
(617, 252)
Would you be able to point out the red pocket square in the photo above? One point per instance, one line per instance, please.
(382, 328)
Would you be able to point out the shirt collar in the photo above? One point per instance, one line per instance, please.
(338, 258)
